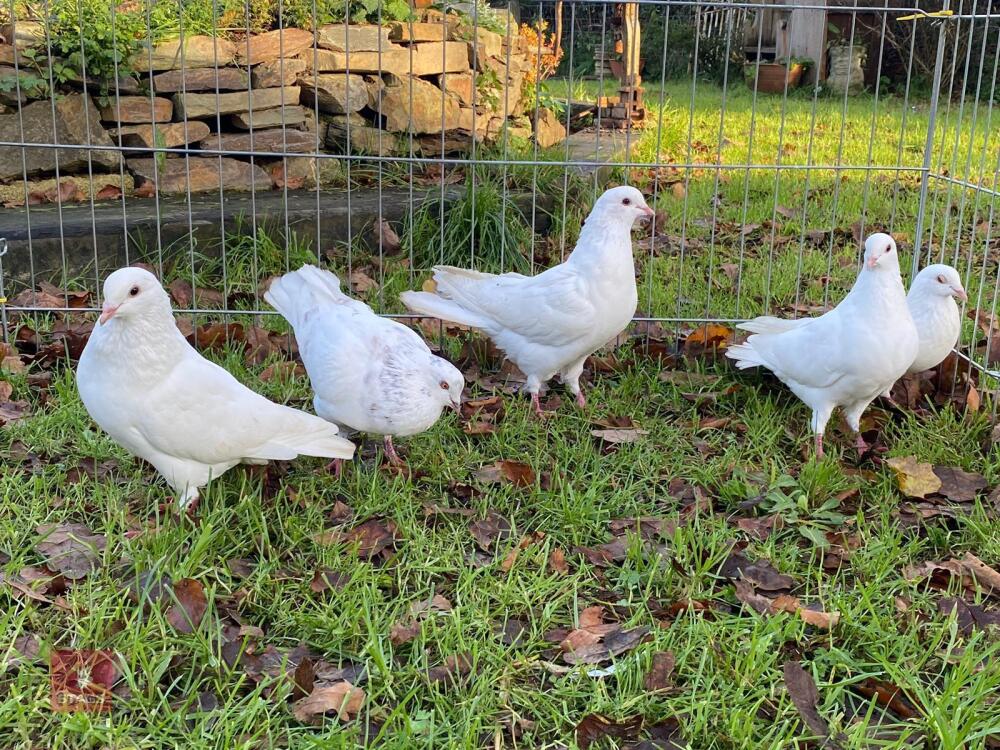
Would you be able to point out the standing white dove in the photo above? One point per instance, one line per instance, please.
(551, 323)
(931, 301)
(148, 388)
(369, 373)
(848, 356)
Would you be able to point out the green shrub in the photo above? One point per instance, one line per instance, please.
(93, 39)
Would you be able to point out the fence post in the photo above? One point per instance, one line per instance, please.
(925, 173)
(3, 299)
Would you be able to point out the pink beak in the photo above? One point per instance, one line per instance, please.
(871, 262)
(648, 211)
(960, 293)
(107, 312)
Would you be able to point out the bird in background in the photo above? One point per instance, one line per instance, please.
(931, 301)
(369, 373)
(148, 388)
(850, 355)
(550, 323)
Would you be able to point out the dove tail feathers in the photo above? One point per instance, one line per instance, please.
(298, 433)
(745, 356)
(426, 303)
(302, 290)
(770, 324)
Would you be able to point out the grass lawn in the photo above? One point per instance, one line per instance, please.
(461, 600)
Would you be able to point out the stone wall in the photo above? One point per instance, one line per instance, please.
(433, 85)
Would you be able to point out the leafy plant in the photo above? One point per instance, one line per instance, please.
(795, 509)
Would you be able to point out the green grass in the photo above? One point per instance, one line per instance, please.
(727, 689)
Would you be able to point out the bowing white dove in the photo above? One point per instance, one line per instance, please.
(148, 388)
(550, 323)
(931, 301)
(850, 355)
(369, 374)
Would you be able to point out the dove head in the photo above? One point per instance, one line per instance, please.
(623, 205)
(939, 280)
(130, 293)
(446, 382)
(880, 253)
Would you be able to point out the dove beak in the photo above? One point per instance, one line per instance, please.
(648, 212)
(107, 312)
(872, 262)
(960, 293)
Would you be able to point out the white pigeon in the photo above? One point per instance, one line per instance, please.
(369, 373)
(154, 394)
(931, 301)
(551, 323)
(848, 356)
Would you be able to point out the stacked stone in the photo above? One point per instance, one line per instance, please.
(378, 90)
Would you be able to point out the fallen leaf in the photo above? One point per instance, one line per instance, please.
(708, 337)
(913, 478)
(403, 632)
(761, 573)
(615, 643)
(487, 531)
(969, 616)
(386, 238)
(615, 437)
(985, 576)
(282, 371)
(557, 561)
(186, 614)
(72, 549)
(371, 537)
(658, 676)
(959, 486)
(454, 667)
(805, 696)
(816, 618)
(342, 698)
(786, 212)
(361, 282)
(325, 579)
(972, 399)
(594, 727)
(517, 473)
(888, 695)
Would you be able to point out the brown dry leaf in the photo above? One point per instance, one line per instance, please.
(282, 371)
(958, 485)
(108, 192)
(746, 593)
(616, 642)
(11, 411)
(557, 561)
(786, 212)
(488, 531)
(72, 549)
(386, 238)
(984, 575)
(508, 562)
(186, 615)
(361, 282)
(517, 473)
(888, 695)
(658, 676)
(972, 399)
(802, 690)
(371, 537)
(6, 390)
(436, 603)
(454, 667)
(616, 437)
(341, 697)
(816, 618)
(429, 285)
(325, 579)
(707, 337)
(594, 727)
(403, 632)
(913, 478)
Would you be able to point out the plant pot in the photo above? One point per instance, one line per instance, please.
(847, 69)
(772, 78)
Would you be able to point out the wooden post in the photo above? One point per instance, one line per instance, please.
(631, 44)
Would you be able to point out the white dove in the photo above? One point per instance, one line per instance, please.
(932, 308)
(369, 373)
(848, 356)
(551, 323)
(154, 394)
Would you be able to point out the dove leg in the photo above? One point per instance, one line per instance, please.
(571, 377)
(336, 466)
(188, 500)
(533, 386)
(852, 415)
(819, 419)
(390, 451)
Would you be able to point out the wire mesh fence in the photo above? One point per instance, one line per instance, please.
(222, 143)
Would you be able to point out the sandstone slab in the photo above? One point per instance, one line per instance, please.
(76, 121)
(426, 59)
(485, 45)
(137, 109)
(270, 118)
(340, 38)
(462, 85)
(24, 34)
(548, 130)
(166, 135)
(201, 79)
(101, 187)
(364, 139)
(276, 140)
(419, 32)
(428, 110)
(199, 174)
(194, 106)
(336, 94)
(281, 72)
(270, 46)
(191, 52)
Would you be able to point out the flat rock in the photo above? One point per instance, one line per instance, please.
(129, 109)
(277, 140)
(340, 38)
(364, 139)
(281, 72)
(169, 135)
(193, 52)
(199, 174)
(426, 111)
(88, 187)
(76, 121)
(272, 45)
(24, 34)
(270, 118)
(194, 106)
(486, 45)
(462, 85)
(335, 94)
(419, 32)
(426, 59)
(548, 129)
(201, 79)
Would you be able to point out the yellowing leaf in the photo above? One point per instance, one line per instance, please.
(429, 286)
(914, 479)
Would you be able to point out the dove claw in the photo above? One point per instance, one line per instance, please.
(819, 446)
(581, 400)
(861, 445)
(390, 452)
(336, 466)
(536, 404)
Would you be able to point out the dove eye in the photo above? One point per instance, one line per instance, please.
(133, 291)
(626, 201)
(888, 248)
(941, 280)
(444, 384)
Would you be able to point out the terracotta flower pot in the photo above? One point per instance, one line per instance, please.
(772, 77)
